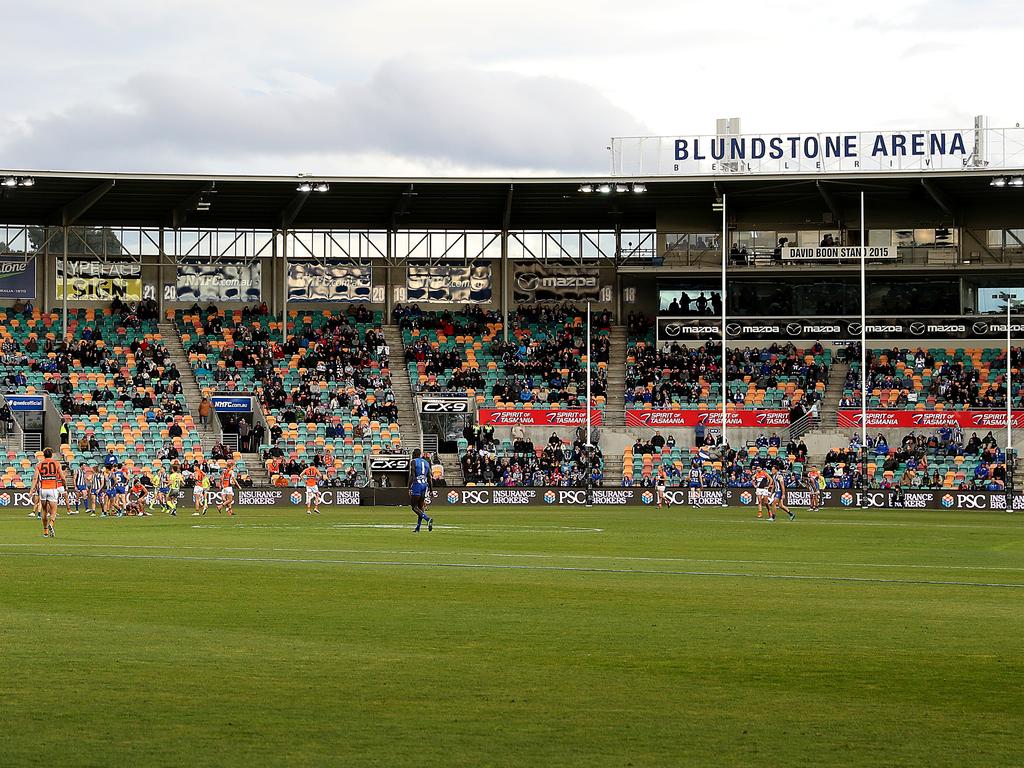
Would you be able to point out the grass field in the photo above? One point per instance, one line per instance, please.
(566, 637)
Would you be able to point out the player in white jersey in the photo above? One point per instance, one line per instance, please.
(778, 500)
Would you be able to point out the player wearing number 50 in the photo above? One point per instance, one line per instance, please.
(420, 483)
(48, 482)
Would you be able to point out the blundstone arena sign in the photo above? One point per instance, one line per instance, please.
(913, 150)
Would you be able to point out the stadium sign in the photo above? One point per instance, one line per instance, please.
(26, 402)
(389, 463)
(567, 417)
(99, 280)
(840, 328)
(966, 420)
(838, 253)
(433, 405)
(820, 153)
(547, 282)
(232, 403)
(671, 329)
(296, 497)
(767, 419)
(312, 281)
(219, 282)
(17, 278)
(447, 284)
(835, 498)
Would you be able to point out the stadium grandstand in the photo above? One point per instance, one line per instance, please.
(524, 332)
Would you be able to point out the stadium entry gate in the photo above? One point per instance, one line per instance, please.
(444, 415)
(28, 415)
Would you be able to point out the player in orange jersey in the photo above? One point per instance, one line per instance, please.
(228, 483)
(661, 487)
(814, 482)
(764, 488)
(201, 484)
(311, 477)
(48, 483)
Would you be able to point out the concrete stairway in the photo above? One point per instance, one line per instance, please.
(193, 394)
(408, 419)
(615, 406)
(613, 469)
(828, 434)
(1018, 474)
(452, 469)
(833, 394)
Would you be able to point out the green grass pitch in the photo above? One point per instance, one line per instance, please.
(514, 637)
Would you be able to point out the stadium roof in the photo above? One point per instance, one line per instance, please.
(267, 202)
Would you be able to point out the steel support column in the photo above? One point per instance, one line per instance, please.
(275, 269)
(284, 287)
(64, 291)
(506, 223)
(618, 277)
(162, 258)
(388, 258)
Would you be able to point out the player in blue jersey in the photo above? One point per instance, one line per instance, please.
(120, 480)
(420, 483)
(109, 505)
(696, 482)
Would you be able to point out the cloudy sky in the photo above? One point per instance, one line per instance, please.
(457, 87)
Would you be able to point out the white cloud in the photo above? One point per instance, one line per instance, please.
(408, 110)
(453, 86)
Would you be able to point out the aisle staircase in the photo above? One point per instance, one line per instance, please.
(452, 469)
(208, 435)
(612, 469)
(408, 419)
(193, 394)
(615, 405)
(833, 394)
(614, 421)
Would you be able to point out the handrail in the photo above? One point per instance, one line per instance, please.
(803, 425)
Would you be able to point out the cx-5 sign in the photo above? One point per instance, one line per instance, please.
(389, 463)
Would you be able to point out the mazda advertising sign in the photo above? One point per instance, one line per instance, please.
(545, 282)
(843, 328)
(672, 329)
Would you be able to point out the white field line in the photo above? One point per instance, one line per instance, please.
(516, 567)
(521, 555)
(746, 519)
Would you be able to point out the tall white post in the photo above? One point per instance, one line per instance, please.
(725, 388)
(1009, 384)
(589, 356)
(590, 451)
(863, 346)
